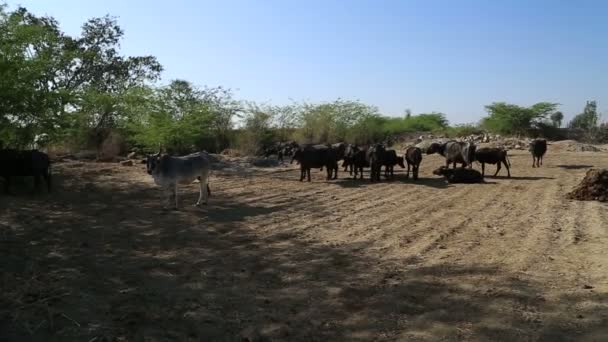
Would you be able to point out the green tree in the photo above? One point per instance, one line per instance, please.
(331, 122)
(55, 83)
(588, 119)
(408, 113)
(557, 118)
(180, 117)
(507, 118)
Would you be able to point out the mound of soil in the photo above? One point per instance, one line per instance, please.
(575, 146)
(584, 148)
(594, 187)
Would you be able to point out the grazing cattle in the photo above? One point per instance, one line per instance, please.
(459, 175)
(349, 153)
(340, 149)
(356, 158)
(538, 148)
(168, 171)
(390, 160)
(316, 156)
(281, 149)
(375, 158)
(31, 163)
(413, 157)
(288, 148)
(455, 152)
(492, 155)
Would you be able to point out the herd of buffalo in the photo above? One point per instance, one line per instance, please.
(34, 163)
(355, 158)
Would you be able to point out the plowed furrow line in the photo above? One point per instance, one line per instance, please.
(462, 223)
(536, 223)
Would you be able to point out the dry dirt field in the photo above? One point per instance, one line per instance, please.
(273, 259)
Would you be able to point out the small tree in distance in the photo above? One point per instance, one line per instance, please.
(557, 118)
(506, 118)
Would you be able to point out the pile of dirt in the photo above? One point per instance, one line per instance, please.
(575, 146)
(594, 187)
(584, 148)
(509, 144)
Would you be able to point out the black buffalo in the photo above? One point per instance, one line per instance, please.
(538, 148)
(31, 163)
(455, 152)
(316, 156)
(340, 149)
(375, 158)
(281, 149)
(413, 157)
(459, 175)
(356, 159)
(349, 152)
(390, 160)
(492, 155)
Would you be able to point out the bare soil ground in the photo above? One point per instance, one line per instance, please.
(271, 258)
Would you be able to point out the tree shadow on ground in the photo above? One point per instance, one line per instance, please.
(112, 266)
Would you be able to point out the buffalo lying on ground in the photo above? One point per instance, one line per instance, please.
(413, 157)
(31, 163)
(390, 160)
(538, 148)
(459, 175)
(492, 155)
(316, 156)
(455, 152)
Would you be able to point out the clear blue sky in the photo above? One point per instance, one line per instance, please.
(448, 56)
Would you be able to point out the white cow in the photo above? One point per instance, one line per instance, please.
(169, 171)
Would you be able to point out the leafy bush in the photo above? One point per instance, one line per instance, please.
(460, 131)
(509, 119)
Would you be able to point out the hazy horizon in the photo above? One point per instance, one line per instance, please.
(420, 55)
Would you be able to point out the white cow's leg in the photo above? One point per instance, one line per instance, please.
(175, 192)
(200, 194)
(203, 195)
(166, 196)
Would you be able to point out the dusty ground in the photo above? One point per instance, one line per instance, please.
(274, 259)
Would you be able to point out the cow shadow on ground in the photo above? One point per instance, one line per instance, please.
(433, 182)
(574, 166)
(112, 267)
(519, 177)
(438, 183)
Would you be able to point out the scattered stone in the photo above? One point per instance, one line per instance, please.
(584, 148)
(106, 159)
(587, 287)
(87, 155)
(132, 155)
(263, 162)
(250, 334)
(127, 162)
